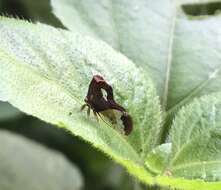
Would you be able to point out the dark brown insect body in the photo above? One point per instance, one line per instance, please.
(96, 101)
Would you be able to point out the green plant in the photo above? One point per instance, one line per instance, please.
(45, 72)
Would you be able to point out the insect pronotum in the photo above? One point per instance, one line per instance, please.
(96, 101)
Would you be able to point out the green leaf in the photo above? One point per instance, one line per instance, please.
(7, 111)
(45, 72)
(27, 165)
(196, 140)
(196, 148)
(157, 159)
(181, 54)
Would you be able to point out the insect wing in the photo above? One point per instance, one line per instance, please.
(113, 117)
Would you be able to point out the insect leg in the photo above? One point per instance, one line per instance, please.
(88, 111)
(103, 119)
(95, 114)
(83, 107)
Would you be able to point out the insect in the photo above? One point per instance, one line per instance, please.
(100, 104)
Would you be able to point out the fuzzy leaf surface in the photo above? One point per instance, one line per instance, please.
(45, 72)
(196, 140)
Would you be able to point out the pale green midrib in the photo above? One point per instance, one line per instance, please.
(68, 92)
(169, 60)
(191, 94)
(182, 166)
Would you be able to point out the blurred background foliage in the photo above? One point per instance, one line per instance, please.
(96, 171)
